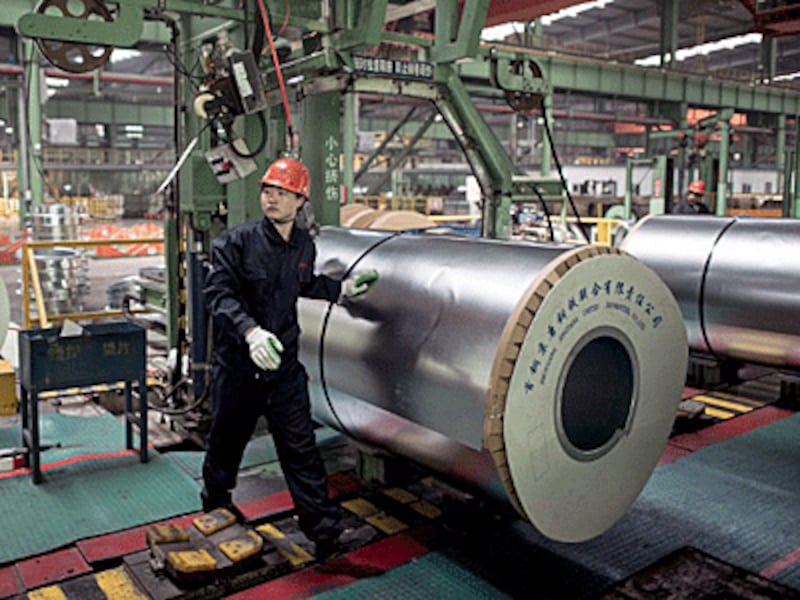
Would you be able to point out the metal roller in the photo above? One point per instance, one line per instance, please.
(544, 375)
(736, 280)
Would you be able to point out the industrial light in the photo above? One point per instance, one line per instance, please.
(56, 82)
(574, 11)
(120, 54)
(787, 76)
(134, 128)
(703, 49)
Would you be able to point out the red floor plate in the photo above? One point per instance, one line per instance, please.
(9, 585)
(51, 568)
(125, 542)
(380, 556)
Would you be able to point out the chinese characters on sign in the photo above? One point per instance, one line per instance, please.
(393, 68)
(331, 174)
(616, 294)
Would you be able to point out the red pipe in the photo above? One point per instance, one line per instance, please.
(108, 76)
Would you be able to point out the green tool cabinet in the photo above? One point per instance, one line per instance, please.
(103, 353)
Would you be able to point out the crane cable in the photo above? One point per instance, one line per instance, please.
(278, 72)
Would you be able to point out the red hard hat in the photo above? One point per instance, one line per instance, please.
(698, 187)
(288, 174)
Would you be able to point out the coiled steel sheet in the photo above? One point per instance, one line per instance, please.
(736, 280)
(545, 375)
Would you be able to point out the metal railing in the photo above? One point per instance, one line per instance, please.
(31, 280)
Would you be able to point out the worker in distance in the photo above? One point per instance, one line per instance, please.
(693, 204)
(259, 269)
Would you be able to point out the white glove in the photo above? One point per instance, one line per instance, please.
(359, 284)
(265, 348)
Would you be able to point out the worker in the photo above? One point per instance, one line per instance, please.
(693, 203)
(258, 271)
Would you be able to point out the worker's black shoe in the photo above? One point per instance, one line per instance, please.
(234, 510)
(326, 548)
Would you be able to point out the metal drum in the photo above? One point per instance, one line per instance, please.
(546, 375)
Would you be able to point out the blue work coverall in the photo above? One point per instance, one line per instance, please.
(255, 280)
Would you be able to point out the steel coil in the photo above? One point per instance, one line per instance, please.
(735, 279)
(545, 375)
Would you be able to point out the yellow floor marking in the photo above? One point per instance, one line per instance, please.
(166, 533)
(52, 592)
(116, 585)
(743, 399)
(719, 414)
(191, 561)
(296, 555)
(242, 548)
(387, 524)
(401, 495)
(734, 406)
(426, 509)
(271, 531)
(214, 521)
(360, 507)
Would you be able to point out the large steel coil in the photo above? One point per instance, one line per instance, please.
(736, 280)
(63, 272)
(544, 375)
(62, 276)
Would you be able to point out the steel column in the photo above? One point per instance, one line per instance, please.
(322, 152)
(350, 129)
(33, 85)
(722, 181)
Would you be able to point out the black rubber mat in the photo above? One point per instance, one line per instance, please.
(694, 575)
(735, 500)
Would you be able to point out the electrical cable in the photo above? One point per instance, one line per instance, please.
(263, 122)
(563, 179)
(278, 73)
(326, 320)
(180, 67)
(546, 213)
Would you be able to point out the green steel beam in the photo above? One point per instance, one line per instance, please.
(385, 142)
(617, 80)
(398, 161)
(109, 113)
(458, 38)
(650, 84)
(722, 180)
(362, 24)
(780, 151)
(35, 171)
(583, 138)
(769, 56)
(547, 149)
(349, 128)
(125, 30)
